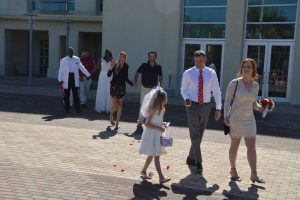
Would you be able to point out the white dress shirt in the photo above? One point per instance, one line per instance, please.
(190, 82)
(71, 64)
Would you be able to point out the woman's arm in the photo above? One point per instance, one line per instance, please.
(111, 68)
(229, 97)
(126, 76)
(256, 105)
(149, 125)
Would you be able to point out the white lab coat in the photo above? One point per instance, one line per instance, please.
(63, 73)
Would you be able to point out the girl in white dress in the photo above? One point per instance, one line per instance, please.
(103, 98)
(153, 109)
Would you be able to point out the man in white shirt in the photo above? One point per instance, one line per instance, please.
(198, 83)
(68, 78)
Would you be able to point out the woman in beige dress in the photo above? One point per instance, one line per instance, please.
(241, 119)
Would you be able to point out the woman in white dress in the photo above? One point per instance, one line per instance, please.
(150, 141)
(103, 98)
(240, 116)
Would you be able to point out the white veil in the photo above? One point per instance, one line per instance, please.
(148, 101)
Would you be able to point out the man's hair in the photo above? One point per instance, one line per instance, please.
(152, 52)
(199, 53)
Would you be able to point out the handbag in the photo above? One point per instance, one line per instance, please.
(227, 128)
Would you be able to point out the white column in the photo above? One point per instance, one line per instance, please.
(234, 39)
(2, 51)
(73, 40)
(295, 81)
(53, 54)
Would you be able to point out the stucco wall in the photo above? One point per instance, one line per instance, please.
(141, 26)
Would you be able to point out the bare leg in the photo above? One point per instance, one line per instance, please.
(158, 168)
(234, 146)
(147, 163)
(112, 110)
(251, 155)
(119, 111)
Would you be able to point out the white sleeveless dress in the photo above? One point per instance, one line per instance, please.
(150, 141)
(103, 98)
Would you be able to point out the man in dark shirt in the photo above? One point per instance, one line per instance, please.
(151, 74)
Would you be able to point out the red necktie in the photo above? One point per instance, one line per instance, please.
(200, 88)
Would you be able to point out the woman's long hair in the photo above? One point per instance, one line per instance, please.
(161, 97)
(117, 67)
(254, 68)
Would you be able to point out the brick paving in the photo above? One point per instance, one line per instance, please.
(49, 155)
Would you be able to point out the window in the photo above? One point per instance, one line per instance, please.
(56, 6)
(99, 7)
(271, 19)
(204, 19)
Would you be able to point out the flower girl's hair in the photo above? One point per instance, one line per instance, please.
(160, 98)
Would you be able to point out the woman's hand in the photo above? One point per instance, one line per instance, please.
(161, 129)
(260, 108)
(227, 121)
(112, 65)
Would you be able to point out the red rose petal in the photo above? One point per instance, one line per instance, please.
(168, 167)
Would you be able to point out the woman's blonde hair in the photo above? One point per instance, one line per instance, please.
(124, 54)
(254, 68)
(161, 97)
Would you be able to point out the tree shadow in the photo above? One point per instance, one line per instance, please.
(104, 135)
(187, 185)
(148, 190)
(236, 193)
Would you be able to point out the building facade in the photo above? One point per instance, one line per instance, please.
(56, 24)
(229, 31)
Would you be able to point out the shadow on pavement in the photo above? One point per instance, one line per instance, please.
(105, 134)
(137, 134)
(237, 194)
(148, 190)
(283, 122)
(190, 193)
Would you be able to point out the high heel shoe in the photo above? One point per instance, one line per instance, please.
(254, 178)
(164, 180)
(145, 176)
(234, 175)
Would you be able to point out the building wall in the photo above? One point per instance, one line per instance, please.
(13, 18)
(141, 26)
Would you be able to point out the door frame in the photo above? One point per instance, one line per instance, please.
(203, 43)
(266, 68)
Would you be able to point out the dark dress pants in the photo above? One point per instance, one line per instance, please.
(197, 117)
(71, 86)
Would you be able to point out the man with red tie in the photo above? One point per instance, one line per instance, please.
(198, 83)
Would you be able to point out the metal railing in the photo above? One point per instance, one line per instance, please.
(53, 6)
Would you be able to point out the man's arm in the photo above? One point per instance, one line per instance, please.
(160, 78)
(60, 72)
(84, 70)
(136, 77)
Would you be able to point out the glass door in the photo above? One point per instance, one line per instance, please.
(273, 67)
(213, 50)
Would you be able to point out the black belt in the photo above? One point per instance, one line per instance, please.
(201, 104)
(148, 86)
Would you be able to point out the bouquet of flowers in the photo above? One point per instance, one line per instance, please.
(268, 105)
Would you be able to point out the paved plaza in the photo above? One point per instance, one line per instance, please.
(46, 154)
